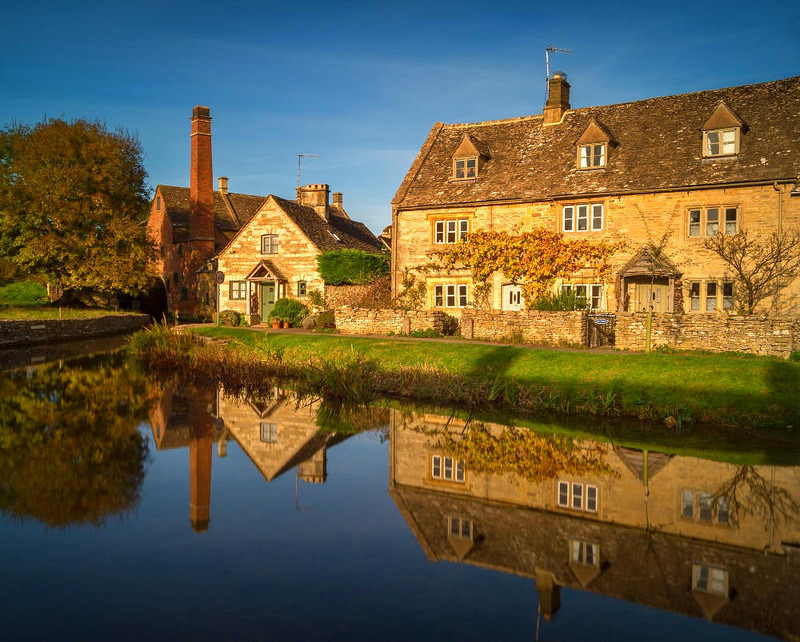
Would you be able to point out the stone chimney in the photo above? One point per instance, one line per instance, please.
(223, 184)
(557, 98)
(315, 195)
(201, 186)
(337, 200)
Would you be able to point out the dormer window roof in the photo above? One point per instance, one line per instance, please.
(593, 146)
(471, 154)
(722, 132)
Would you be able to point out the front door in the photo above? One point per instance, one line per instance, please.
(652, 294)
(267, 295)
(512, 297)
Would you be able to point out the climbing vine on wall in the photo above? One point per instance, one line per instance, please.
(534, 259)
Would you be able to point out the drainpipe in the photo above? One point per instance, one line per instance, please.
(777, 188)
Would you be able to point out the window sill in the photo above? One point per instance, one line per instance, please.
(463, 180)
(589, 170)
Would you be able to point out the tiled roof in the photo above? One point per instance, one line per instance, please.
(659, 146)
(351, 234)
(176, 202)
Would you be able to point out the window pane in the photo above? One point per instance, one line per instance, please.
(597, 217)
(460, 470)
(723, 514)
(463, 228)
(438, 296)
(466, 527)
(729, 141)
(694, 222)
(440, 231)
(451, 231)
(581, 297)
(702, 578)
(711, 296)
(687, 509)
(448, 468)
(597, 297)
(451, 296)
(712, 139)
(712, 221)
(599, 156)
(694, 295)
(730, 220)
(583, 218)
(462, 296)
(577, 552)
(563, 494)
(455, 527)
(459, 169)
(569, 213)
(590, 553)
(727, 295)
(591, 498)
(717, 581)
(436, 466)
(705, 507)
(585, 152)
(471, 168)
(577, 496)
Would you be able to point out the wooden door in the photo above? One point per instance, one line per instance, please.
(656, 295)
(267, 299)
(512, 297)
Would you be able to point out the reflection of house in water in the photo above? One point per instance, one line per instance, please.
(654, 532)
(276, 432)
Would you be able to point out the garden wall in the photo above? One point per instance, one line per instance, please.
(373, 295)
(364, 321)
(777, 336)
(28, 332)
(527, 326)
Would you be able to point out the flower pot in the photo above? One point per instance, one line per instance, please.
(276, 323)
(285, 324)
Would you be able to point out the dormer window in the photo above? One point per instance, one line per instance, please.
(593, 146)
(722, 133)
(592, 155)
(465, 168)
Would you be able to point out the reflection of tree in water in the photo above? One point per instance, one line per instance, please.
(748, 492)
(523, 452)
(70, 452)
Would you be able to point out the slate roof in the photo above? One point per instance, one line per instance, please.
(351, 234)
(176, 202)
(658, 147)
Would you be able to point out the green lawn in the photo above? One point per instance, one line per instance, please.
(706, 387)
(50, 312)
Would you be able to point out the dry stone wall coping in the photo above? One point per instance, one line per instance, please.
(19, 332)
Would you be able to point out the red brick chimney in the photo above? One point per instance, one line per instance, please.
(201, 187)
(557, 98)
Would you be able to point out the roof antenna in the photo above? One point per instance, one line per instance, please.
(299, 156)
(551, 48)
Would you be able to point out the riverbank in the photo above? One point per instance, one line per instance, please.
(675, 390)
(37, 331)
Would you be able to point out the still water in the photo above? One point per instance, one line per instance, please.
(134, 509)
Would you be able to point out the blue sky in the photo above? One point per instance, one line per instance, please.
(360, 83)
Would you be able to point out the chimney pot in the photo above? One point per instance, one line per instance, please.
(337, 199)
(223, 184)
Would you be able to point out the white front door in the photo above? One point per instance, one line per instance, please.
(512, 297)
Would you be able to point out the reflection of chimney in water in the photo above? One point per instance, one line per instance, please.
(314, 469)
(201, 422)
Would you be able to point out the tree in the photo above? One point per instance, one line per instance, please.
(761, 267)
(73, 206)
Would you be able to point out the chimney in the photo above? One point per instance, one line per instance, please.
(315, 195)
(201, 186)
(337, 200)
(223, 184)
(557, 98)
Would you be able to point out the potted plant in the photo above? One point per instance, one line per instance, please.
(276, 323)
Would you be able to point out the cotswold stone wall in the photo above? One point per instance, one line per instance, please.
(364, 321)
(777, 336)
(374, 295)
(26, 332)
(527, 326)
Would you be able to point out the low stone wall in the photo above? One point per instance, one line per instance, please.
(527, 326)
(777, 336)
(26, 332)
(365, 321)
(373, 296)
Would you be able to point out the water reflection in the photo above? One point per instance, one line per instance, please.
(70, 452)
(696, 537)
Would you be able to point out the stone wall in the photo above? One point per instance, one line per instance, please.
(777, 336)
(528, 326)
(364, 321)
(27, 332)
(373, 295)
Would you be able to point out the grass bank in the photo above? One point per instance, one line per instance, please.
(35, 313)
(680, 388)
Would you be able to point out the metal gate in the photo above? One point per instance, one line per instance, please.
(600, 330)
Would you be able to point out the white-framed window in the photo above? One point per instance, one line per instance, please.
(703, 507)
(727, 295)
(582, 218)
(238, 290)
(721, 142)
(446, 468)
(586, 553)
(460, 528)
(587, 295)
(465, 168)
(596, 302)
(577, 496)
(590, 156)
(302, 288)
(269, 243)
(269, 432)
(450, 295)
(710, 579)
(711, 296)
(450, 231)
(711, 221)
(694, 296)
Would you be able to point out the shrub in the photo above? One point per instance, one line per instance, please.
(564, 300)
(351, 267)
(326, 320)
(449, 325)
(316, 299)
(290, 310)
(230, 318)
(795, 356)
(23, 293)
